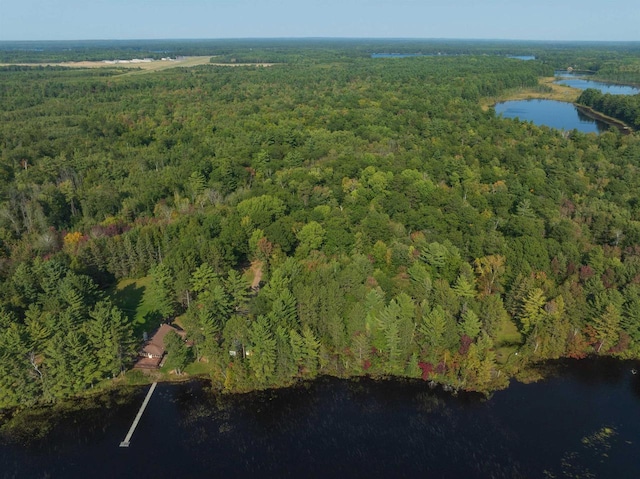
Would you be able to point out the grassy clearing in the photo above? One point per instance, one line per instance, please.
(547, 89)
(508, 341)
(199, 368)
(133, 298)
(135, 377)
(253, 275)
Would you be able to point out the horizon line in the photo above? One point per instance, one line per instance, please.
(318, 38)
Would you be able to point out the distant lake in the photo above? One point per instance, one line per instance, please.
(522, 57)
(397, 55)
(571, 74)
(582, 421)
(555, 114)
(583, 83)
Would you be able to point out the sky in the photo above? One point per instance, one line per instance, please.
(588, 20)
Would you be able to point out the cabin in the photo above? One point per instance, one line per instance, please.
(153, 350)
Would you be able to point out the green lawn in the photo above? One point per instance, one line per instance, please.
(198, 369)
(508, 341)
(132, 297)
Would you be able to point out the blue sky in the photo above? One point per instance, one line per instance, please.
(486, 19)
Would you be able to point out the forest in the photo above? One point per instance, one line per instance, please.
(623, 107)
(400, 229)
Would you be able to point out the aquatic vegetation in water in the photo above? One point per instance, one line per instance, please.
(595, 445)
(599, 443)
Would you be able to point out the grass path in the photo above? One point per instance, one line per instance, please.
(256, 272)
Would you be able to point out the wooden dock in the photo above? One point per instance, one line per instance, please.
(127, 440)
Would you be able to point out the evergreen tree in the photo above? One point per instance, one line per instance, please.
(178, 354)
(531, 311)
(162, 291)
(284, 311)
(470, 325)
(310, 350)
(286, 365)
(237, 289)
(262, 353)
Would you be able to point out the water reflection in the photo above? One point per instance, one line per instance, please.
(583, 84)
(555, 114)
(362, 428)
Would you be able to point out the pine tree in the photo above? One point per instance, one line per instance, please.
(433, 328)
(607, 327)
(286, 365)
(392, 349)
(196, 185)
(406, 322)
(262, 356)
(413, 369)
(464, 287)
(470, 324)
(203, 279)
(310, 350)
(38, 325)
(297, 347)
(21, 378)
(361, 348)
(237, 289)
(630, 321)
(111, 338)
(284, 310)
(420, 281)
(161, 290)
(178, 353)
(531, 311)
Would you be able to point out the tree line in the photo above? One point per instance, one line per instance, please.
(623, 107)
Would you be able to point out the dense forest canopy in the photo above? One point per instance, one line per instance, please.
(623, 107)
(399, 228)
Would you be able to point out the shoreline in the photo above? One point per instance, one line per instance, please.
(557, 92)
(547, 89)
(36, 421)
(596, 115)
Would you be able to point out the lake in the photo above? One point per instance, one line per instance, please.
(582, 83)
(582, 421)
(397, 55)
(522, 57)
(555, 114)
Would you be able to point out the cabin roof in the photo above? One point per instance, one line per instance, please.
(155, 345)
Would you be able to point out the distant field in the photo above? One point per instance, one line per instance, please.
(153, 65)
(143, 67)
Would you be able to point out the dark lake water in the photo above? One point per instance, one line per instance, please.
(555, 114)
(582, 421)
